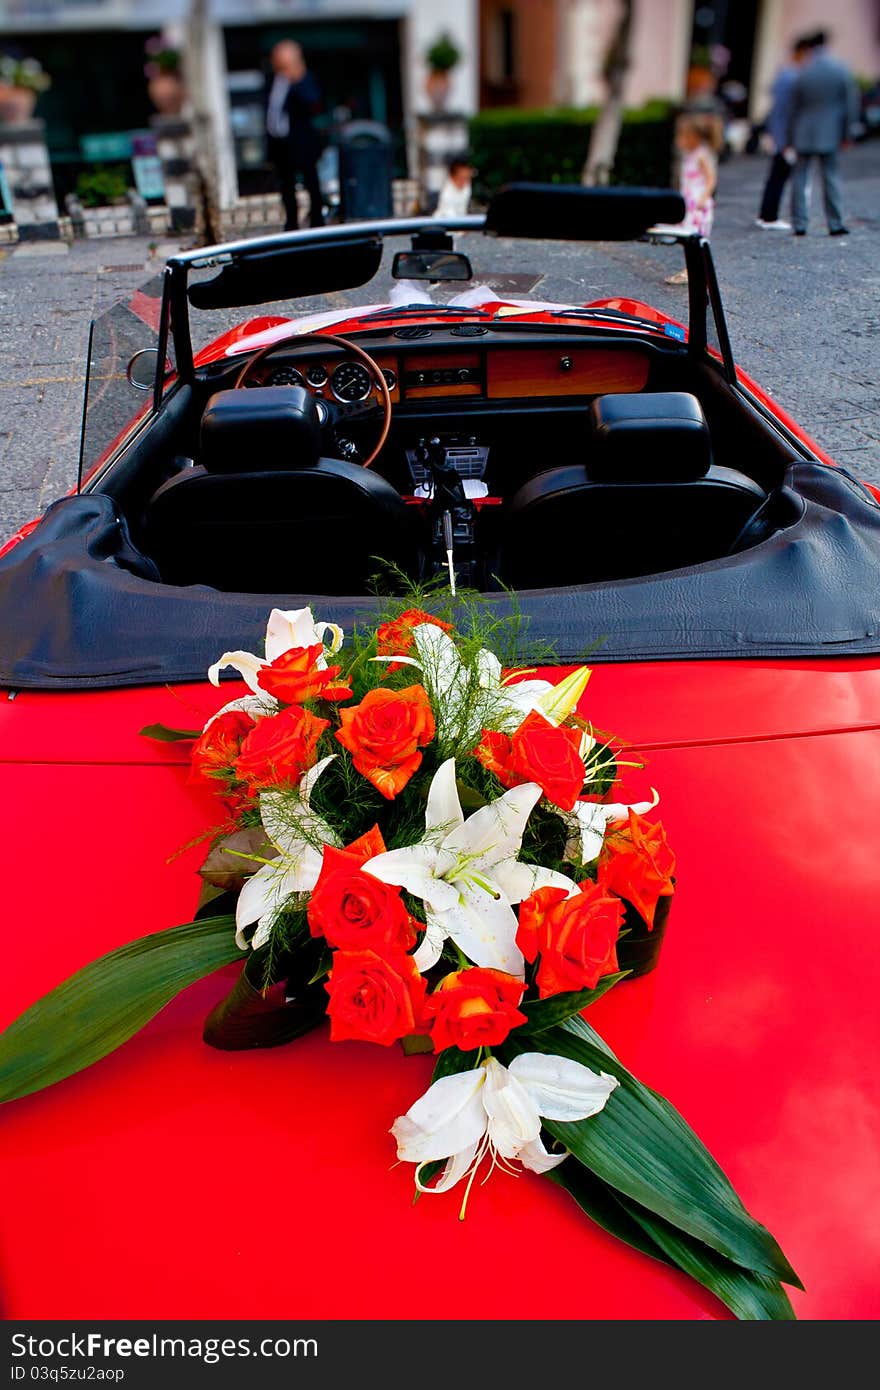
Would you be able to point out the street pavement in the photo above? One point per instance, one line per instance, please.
(803, 313)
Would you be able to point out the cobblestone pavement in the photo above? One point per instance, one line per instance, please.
(804, 317)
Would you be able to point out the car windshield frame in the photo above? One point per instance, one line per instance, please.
(704, 297)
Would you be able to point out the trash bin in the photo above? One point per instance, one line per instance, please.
(365, 162)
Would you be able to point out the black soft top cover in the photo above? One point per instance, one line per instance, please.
(80, 608)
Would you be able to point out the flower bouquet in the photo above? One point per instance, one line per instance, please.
(433, 852)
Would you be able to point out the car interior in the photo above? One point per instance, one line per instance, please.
(596, 470)
(440, 437)
(561, 461)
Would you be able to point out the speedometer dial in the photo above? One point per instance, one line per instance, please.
(285, 376)
(351, 382)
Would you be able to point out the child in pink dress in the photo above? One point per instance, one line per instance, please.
(697, 140)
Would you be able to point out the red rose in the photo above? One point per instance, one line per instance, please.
(549, 754)
(576, 936)
(533, 912)
(493, 751)
(280, 748)
(383, 734)
(396, 638)
(475, 1008)
(294, 677)
(637, 864)
(214, 754)
(374, 998)
(368, 845)
(539, 751)
(353, 911)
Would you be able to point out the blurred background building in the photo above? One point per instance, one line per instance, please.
(420, 68)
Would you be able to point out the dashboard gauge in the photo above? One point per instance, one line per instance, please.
(323, 410)
(285, 376)
(317, 375)
(351, 382)
(390, 378)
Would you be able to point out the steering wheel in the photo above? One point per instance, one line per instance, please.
(343, 410)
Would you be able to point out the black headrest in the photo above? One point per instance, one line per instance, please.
(657, 437)
(262, 428)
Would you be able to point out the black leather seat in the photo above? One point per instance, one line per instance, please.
(648, 499)
(263, 513)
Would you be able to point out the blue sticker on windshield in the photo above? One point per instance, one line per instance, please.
(674, 330)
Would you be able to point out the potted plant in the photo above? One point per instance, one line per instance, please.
(21, 82)
(441, 58)
(163, 73)
(101, 203)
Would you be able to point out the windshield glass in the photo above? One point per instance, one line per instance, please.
(112, 404)
(522, 273)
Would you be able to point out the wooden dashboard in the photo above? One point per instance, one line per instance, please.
(577, 371)
(488, 372)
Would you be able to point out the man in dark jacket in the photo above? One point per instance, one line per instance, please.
(294, 144)
(776, 128)
(823, 108)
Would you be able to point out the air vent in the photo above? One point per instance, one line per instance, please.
(469, 330)
(413, 330)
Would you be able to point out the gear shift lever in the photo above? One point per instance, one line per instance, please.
(448, 495)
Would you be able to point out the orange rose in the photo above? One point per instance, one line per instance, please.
(493, 751)
(368, 845)
(353, 911)
(215, 753)
(383, 734)
(576, 936)
(294, 677)
(280, 748)
(539, 751)
(396, 638)
(374, 998)
(475, 1008)
(549, 754)
(637, 863)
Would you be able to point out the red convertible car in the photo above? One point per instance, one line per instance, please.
(615, 474)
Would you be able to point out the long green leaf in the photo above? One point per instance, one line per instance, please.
(602, 1205)
(642, 1147)
(751, 1297)
(100, 1007)
(161, 733)
(546, 1013)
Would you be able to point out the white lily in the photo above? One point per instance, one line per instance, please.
(296, 628)
(562, 699)
(497, 1110)
(588, 820)
(466, 701)
(299, 835)
(467, 874)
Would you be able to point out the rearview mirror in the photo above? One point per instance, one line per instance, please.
(288, 272)
(431, 265)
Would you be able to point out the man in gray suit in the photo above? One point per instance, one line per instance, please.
(824, 106)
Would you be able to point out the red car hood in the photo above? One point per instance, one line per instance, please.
(176, 1181)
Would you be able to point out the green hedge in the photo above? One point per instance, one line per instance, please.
(550, 145)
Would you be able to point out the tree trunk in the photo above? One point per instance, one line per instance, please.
(606, 132)
(205, 162)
